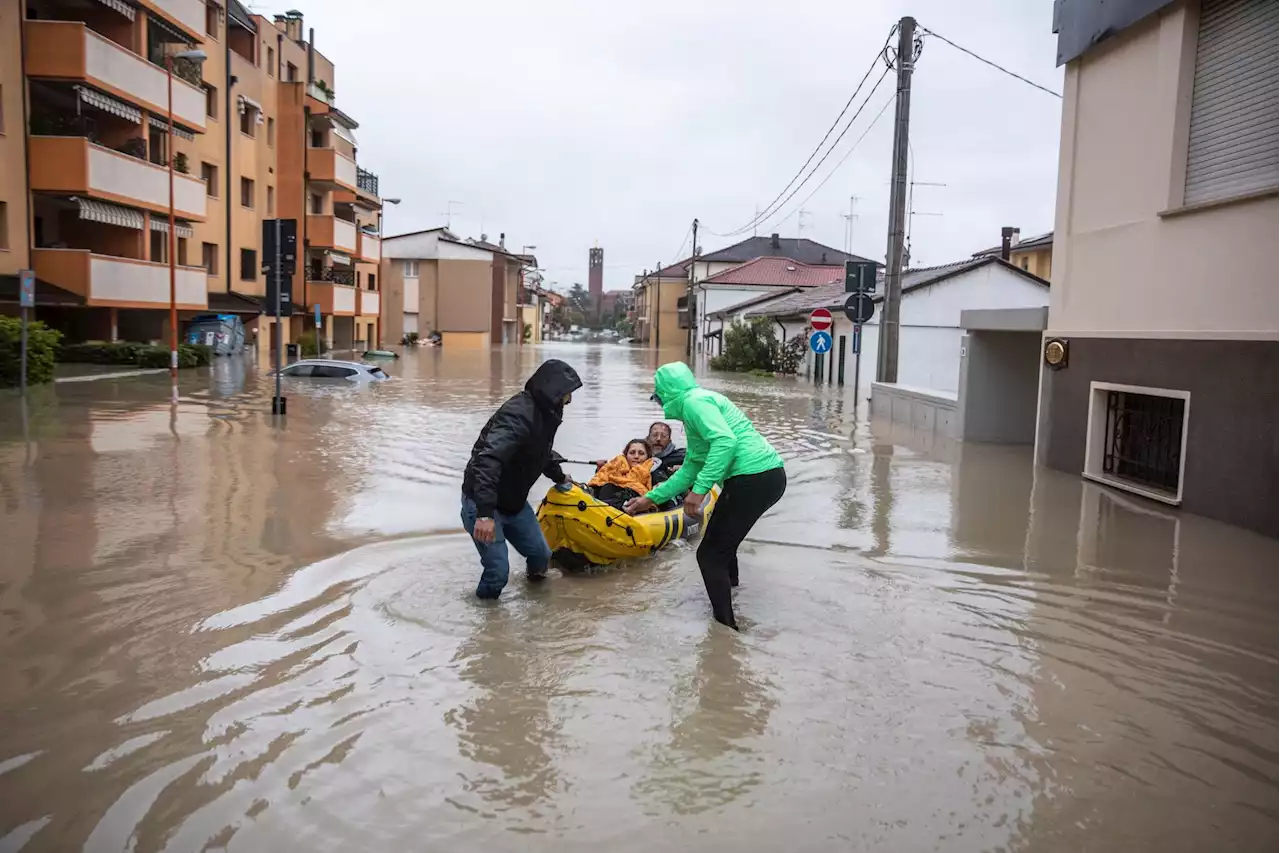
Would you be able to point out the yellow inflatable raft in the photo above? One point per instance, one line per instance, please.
(583, 531)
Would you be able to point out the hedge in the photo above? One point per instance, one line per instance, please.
(137, 355)
(42, 352)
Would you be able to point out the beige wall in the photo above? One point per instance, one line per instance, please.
(1038, 261)
(465, 295)
(428, 297)
(392, 309)
(13, 186)
(1119, 266)
(663, 319)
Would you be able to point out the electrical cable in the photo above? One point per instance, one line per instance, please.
(1012, 74)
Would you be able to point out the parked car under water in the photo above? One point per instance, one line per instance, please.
(328, 368)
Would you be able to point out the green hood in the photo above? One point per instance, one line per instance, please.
(672, 382)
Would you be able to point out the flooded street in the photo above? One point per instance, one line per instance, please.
(220, 634)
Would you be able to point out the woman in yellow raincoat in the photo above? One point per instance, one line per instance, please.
(625, 476)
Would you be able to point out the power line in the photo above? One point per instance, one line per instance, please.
(930, 32)
(774, 205)
(851, 149)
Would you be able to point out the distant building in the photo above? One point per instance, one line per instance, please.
(657, 298)
(1159, 360)
(595, 283)
(1034, 254)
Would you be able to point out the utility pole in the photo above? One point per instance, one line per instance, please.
(887, 368)
(688, 300)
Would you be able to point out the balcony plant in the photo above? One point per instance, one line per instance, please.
(189, 70)
(180, 164)
(136, 147)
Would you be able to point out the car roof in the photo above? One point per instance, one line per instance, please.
(336, 362)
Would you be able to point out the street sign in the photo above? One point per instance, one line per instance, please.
(859, 277)
(820, 320)
(859, 308)
(317, 318)
(27, 288)
(857, 340)
(820, 342)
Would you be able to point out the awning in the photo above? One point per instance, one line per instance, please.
(96, 99)
(109, 214)
(174, 34)
(341, 131)
(120, 6)
(159, 224)
(178, 130)
(339, 257)
(249, 103)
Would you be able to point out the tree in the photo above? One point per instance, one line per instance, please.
(752, 346)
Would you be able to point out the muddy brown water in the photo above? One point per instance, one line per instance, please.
(220, 634)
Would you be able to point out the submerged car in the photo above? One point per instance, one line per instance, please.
(328, 368)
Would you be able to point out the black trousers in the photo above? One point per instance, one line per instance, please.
(742, 501)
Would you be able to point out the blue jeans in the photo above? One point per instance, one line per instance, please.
(522, 531)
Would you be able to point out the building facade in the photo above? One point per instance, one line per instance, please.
(1160, 353)
(257, 135)
(658, 296)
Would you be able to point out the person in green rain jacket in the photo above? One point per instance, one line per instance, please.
(723, 448)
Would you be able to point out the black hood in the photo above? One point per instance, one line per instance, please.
(551, 381)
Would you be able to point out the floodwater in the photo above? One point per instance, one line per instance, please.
(219, 634)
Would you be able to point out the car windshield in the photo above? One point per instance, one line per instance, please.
(377, 371)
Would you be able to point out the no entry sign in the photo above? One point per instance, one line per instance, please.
(820, 320)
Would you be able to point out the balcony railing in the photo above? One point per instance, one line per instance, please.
(366, 181)
(335, 275)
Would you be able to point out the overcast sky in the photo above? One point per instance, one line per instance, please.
(566, 123)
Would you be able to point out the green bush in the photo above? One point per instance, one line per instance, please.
(136, 355)
(749, 346)
(410, 339)
(42, 352)
(307, 344)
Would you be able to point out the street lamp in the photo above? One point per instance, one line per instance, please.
(194, 56)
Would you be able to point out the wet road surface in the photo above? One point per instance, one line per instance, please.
(216, 634)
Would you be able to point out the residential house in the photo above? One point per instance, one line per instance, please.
(468, 290)
(1159, 361)
(1034, 254)
(658, 296)
(710, 296)
(749, 281)
(931, 328)
(257, 136)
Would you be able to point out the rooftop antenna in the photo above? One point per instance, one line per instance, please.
(448, 213)
(849, 219)
(800, 215)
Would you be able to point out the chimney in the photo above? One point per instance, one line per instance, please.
(311, 52)
(1016, 238)
(292, 24)
(1006, 241)
(502, 240)
(774, 242)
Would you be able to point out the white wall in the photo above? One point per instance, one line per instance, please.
(114, 280)
(411, 290)
(142, 82)
(128, 177)
(429, 245)
(1118, 266)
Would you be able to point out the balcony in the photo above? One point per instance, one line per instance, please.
(333, 298)
(327, 166)
(105, 280)
(67, 50)
(367, 182)
(186, 15)
(369, 303)
(319, 100)
(76, 166)
(329, 232)
(368, 247)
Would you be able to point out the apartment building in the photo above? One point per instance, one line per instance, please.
(658, 296)
(257, 134)
(470, 291)
(1159, 359)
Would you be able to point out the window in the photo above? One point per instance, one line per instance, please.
(317, 139)
(1232, 147)
(271, 201)
(332, 371)
(317, 203)
(271, 132)
(249, 120)
(210, 100)
(209, 257)
(248, 265)
(246, 193)
(211, 19)
(1136, 439)
(291, 72)
(1026, 262)
(298, 370)
(182, 251)
(271, 62)
(4, 225)
(410, 269)
(209, 174)
(159, 246)
(373, 281)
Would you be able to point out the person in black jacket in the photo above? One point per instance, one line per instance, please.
(513, 449)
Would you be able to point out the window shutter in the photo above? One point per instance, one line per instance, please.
(1232, 148)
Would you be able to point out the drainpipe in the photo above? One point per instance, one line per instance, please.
(1006, 242)
(784, 330)
(227, 113)
(26, 139)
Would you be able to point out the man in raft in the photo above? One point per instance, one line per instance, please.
(513, 449)
(723, 447)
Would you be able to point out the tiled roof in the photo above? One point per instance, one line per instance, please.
(780, 272)
(796, 248)
(759, 298)
(833, 296)
(1041, 241)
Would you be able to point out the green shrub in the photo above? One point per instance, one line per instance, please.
(410, 339)
(136, 355)
(748, 346)
(42, 352)
(201, 355)
(307, 345)
(791, 356)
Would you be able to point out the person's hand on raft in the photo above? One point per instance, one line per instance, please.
(483, 532)
(693, 505)
(635, 506)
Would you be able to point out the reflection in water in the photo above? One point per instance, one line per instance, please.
(217, 632)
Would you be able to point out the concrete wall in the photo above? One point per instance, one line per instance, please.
(999, 385)
(1121, 265)
(923, 411)
(465, 296)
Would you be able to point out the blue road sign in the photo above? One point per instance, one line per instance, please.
(857, 340)
(26, 288)
(820, 342)
(317, 315)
